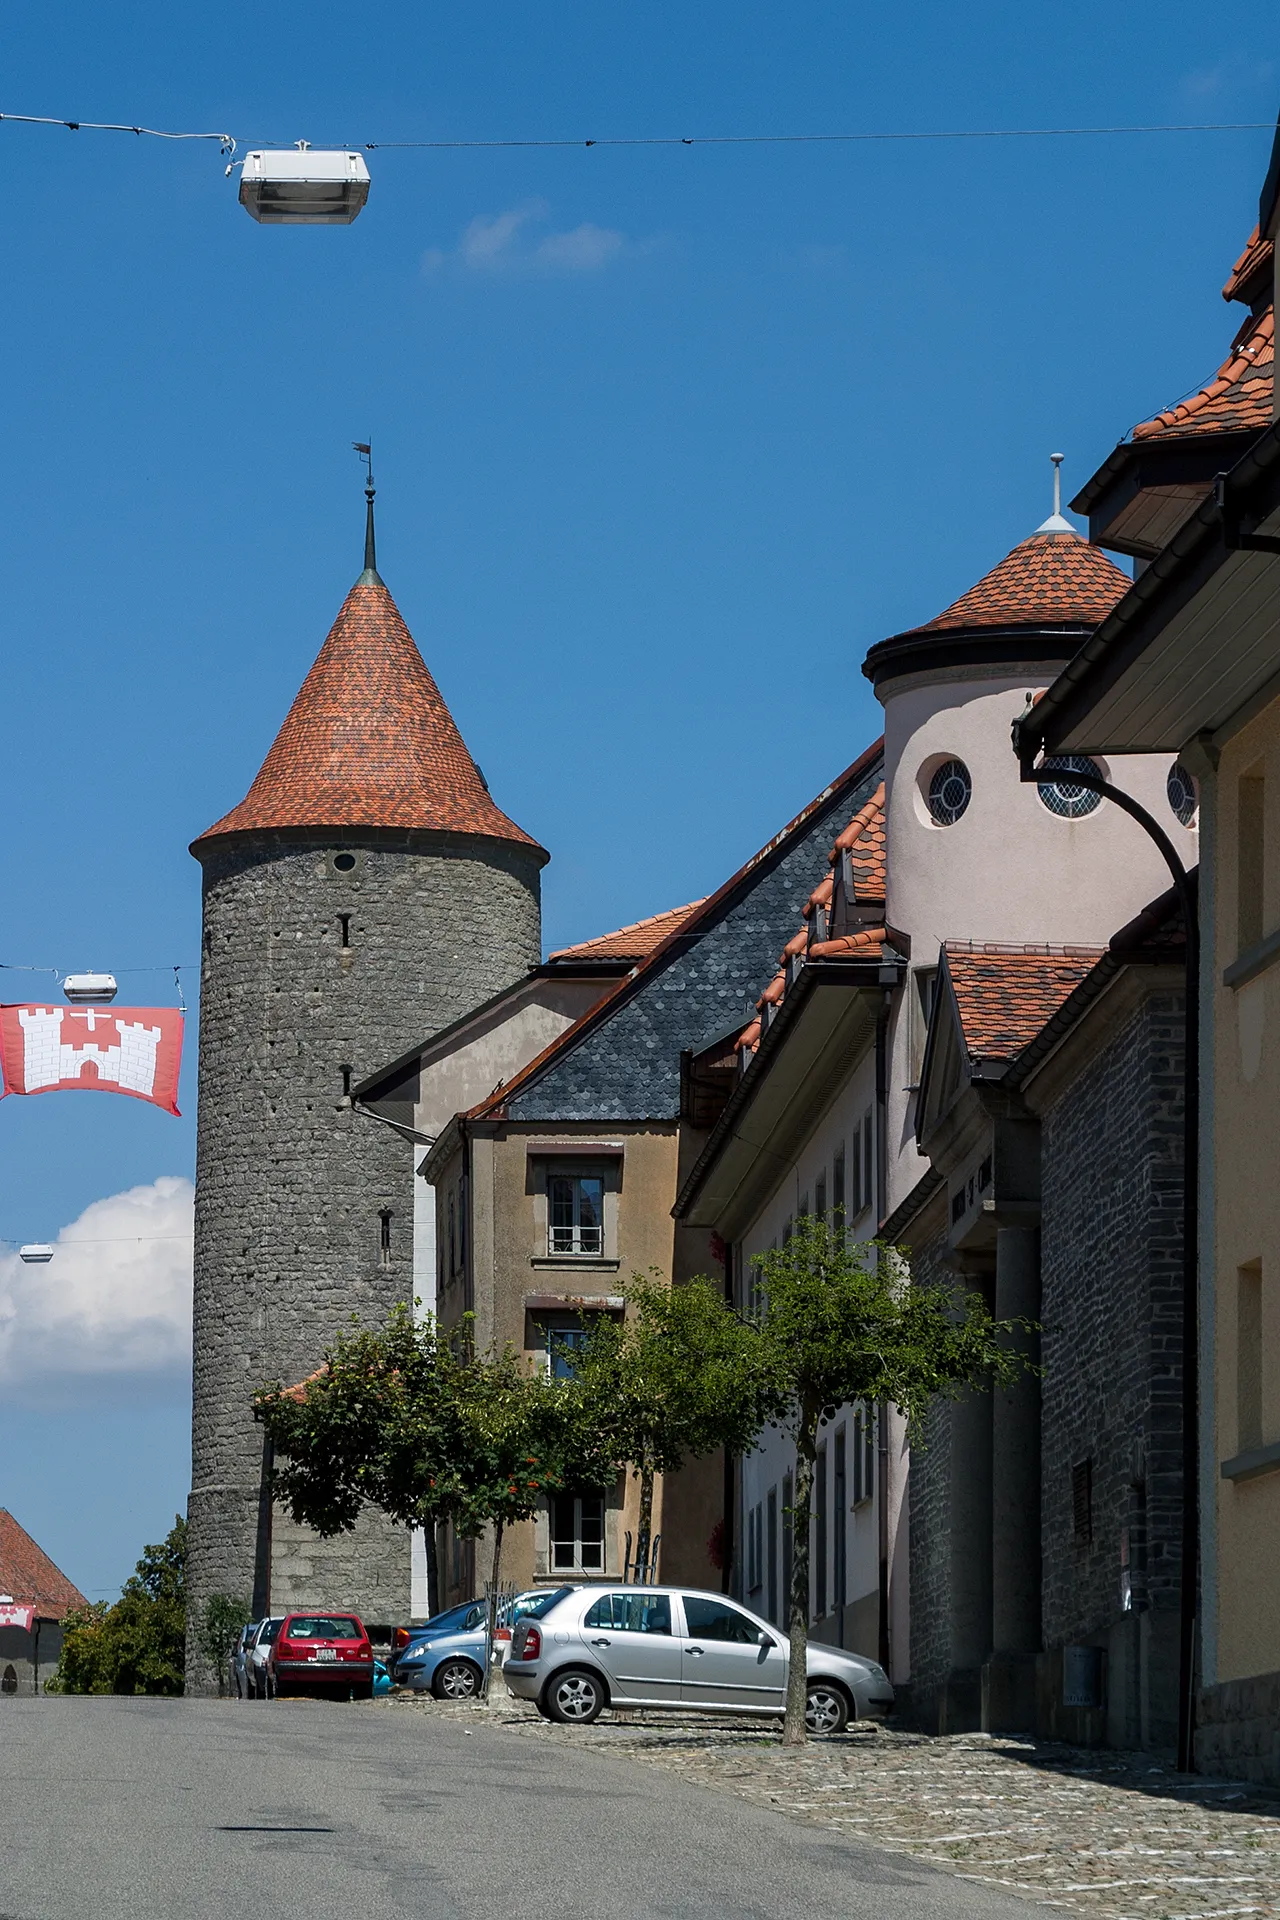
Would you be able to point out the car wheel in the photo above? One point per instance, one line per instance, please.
(826, 1708)
(456, 1680)
(575, 1698)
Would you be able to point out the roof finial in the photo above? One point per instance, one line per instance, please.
(1057, 522)
(370, 576)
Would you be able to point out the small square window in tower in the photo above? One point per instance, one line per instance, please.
(575, 1214)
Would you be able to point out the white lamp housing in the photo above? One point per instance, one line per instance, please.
(36, 1254)
(300, 188)
(90, 989)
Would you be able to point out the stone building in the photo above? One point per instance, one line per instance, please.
(954, 849)
(1046, 1522)
(367, 891)
(1190, 663)
(34, 1598)
(557, 1187)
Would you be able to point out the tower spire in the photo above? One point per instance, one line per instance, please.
(370, 576)
(1057, 521)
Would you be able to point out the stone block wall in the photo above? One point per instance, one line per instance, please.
(313, 976)
(929, 1494)
(1238, 1729)
(1111, 1307)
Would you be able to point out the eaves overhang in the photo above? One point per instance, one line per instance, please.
(1194, 641)
(822, 1028)
(1145, 489)
(952, 649)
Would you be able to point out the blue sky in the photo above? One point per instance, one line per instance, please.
(665, 438)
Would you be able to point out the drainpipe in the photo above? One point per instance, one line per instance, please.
(1189, 1596)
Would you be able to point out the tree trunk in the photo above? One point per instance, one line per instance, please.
(644, 1526)
(431, 1531)
(491, 1623)
(794, 1731)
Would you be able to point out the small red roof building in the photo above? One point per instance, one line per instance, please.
(29, 1577)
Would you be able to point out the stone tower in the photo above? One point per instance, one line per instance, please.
(366, 893)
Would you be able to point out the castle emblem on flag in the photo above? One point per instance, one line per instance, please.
(133, 1050)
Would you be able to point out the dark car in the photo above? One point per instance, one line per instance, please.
(321, 1653)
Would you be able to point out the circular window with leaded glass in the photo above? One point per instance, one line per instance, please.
(949, 792)
(1183, 798)
(1063, 795)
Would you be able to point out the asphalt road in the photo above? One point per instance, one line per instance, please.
(194, 1810)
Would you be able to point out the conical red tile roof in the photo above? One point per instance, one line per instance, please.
(369, 741)
(1050, 579)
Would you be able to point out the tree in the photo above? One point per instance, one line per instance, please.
(136, 1645)
(844, 1323)
(408, 1420)
(679, 1377)
(220, 1622)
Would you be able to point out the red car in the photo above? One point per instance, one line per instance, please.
(323, 1653)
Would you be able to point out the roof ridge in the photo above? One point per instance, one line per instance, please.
(581, 947)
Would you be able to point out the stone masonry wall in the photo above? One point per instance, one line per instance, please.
(291, 1182)
(1111, 1307)
(929, 1536)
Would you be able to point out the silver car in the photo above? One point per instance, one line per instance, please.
(587, 1648)
(256, 1670)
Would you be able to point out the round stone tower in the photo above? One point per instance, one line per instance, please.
(366, 893)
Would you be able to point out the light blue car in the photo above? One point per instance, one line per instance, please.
(446, 1656)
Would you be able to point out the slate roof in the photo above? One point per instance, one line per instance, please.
(369, 741)
(621, 1059)
(632, 942)
(29, 1575)
(1049, 578)
(864, 839)
(1005, 994)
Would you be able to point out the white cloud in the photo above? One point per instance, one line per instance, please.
(510, 242)
(114, 1300)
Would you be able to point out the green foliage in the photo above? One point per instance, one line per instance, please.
(680, 1377)
(220, 1622)
(405, 1419)
(136, 1645)
(843, 1322)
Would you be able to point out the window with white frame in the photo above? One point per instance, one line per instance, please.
(577, 1532)
(575, 1213)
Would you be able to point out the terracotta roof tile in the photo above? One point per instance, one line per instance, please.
(864, 837)
(29, 1575)
(1252, 271)
(1239, 395)
(633, 942)
(369, 741)
(1049, 579)
(1005, 994)
(863, 944)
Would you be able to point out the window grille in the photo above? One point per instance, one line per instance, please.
(575, 1210)
(950, 791)
(1183, 795)
(1065, 796)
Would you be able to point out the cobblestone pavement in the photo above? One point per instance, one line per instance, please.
(1093, 1831)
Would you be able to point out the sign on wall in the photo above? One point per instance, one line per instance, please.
(133, 1050)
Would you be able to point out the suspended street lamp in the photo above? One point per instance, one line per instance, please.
(90, 989)
(302, 188)
(36, 1254)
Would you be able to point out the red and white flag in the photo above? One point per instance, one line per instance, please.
(11, 1616)
(133, 1050)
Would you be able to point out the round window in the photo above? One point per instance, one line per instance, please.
(1065, 796)
(1183, 797)
(950, 791)
(344, 862)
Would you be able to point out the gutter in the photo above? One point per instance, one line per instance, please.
(1213, 531)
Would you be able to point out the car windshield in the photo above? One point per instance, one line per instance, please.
(324, 1626)
(448, 1622)
(267, 1632)
(540, 1608)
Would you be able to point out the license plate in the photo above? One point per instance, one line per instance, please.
(324, 1653)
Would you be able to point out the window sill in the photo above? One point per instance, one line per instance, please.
(1254, 1463)
(575, 1262)
(1254, 962)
